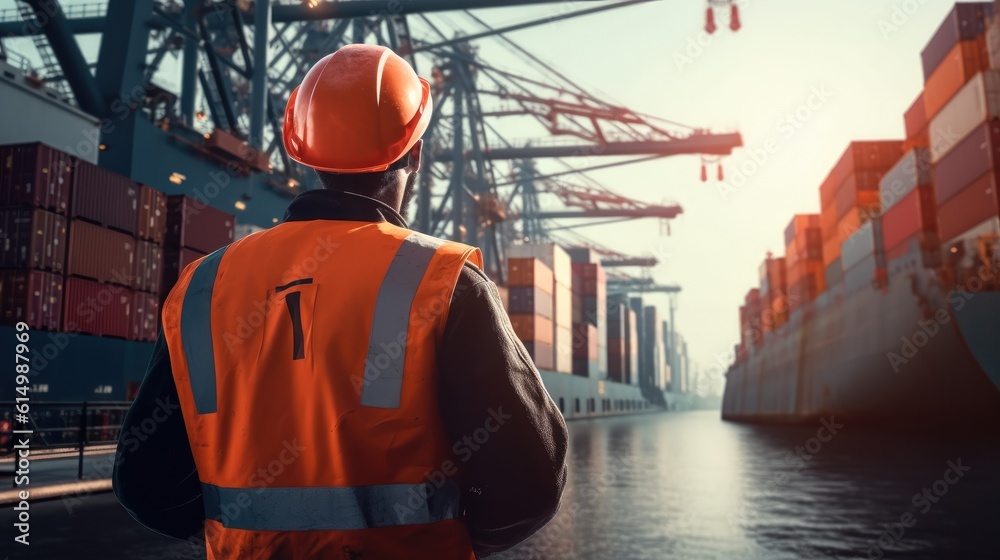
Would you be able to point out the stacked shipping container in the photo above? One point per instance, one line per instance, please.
(530, 300)
(805, 275)
(558, 261)
(909, 214)
(849, 197)
(773, 293)
(193, 230)
(82, 246)
(590, 309)
(944, 188)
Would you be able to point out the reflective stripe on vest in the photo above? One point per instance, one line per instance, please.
(196, 332)
(392, 320)
(341, 508)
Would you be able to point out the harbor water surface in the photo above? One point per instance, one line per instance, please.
(690, 486)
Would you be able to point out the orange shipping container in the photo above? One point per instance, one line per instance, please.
(860, 156)
(530, 328)
(966, 59)
(529, 272)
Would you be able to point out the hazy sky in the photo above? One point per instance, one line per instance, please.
(803, 76)
(848, 69)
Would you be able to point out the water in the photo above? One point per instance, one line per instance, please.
(689, 486)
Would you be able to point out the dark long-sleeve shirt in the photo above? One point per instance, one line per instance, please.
(511, 484)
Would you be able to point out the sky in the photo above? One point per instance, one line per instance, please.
(802, 77)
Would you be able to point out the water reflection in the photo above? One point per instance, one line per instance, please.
(687, 485)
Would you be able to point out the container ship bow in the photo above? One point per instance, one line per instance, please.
(886, 304)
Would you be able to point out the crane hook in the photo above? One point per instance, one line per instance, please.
(710, 21)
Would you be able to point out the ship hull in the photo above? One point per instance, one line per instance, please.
(896, 355)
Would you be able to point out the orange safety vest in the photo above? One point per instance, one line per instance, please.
(305, 359)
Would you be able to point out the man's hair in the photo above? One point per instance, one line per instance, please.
(365, 183)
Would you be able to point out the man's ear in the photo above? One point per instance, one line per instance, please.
(415, 151)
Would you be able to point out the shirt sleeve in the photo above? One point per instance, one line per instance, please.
(508, 434)
(155, 478)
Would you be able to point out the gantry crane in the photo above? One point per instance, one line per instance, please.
(235, 82)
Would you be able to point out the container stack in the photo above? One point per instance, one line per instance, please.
(193, 231)
(963, 130)
(653, 349)
(909, 215)
(35, 183)
(955, 54)
(640, 366)
(558, 261)
(863, 257)
(805, 275)
(668, 377)
(631, 348)
(82, 245)
(751, 327)
(590, 308)
(849, 197)
(965, 170)
(530, 305)
(102, 264)
(773, 293)
(617, 341)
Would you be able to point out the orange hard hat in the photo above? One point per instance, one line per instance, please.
(358, 110)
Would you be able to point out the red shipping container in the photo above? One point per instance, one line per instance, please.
(35, 175)
(32, 238)
(196, 226)
(589, 279)
(616, 359)
(878, 155)
(978, 153)
(965, 60)
(529, 272)
(145, 317)
(915, 118)
(914, 213)
(964, 22)
(148, 267)
(94, 308)
(100, 254)
(151, 218)
(104, 197)
(32, 296)
(973, 205)
(174, 262)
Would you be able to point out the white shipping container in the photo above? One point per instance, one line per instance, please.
(564, 349)
(912, 170)
(977, 102)
(563, 301)
(859, 246)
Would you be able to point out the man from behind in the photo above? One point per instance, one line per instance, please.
(380, 406)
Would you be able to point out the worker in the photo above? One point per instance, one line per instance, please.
(340, 386)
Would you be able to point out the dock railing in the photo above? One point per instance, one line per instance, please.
(58, 428)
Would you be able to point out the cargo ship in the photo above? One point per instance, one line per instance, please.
(87, 254)
(886, 304)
